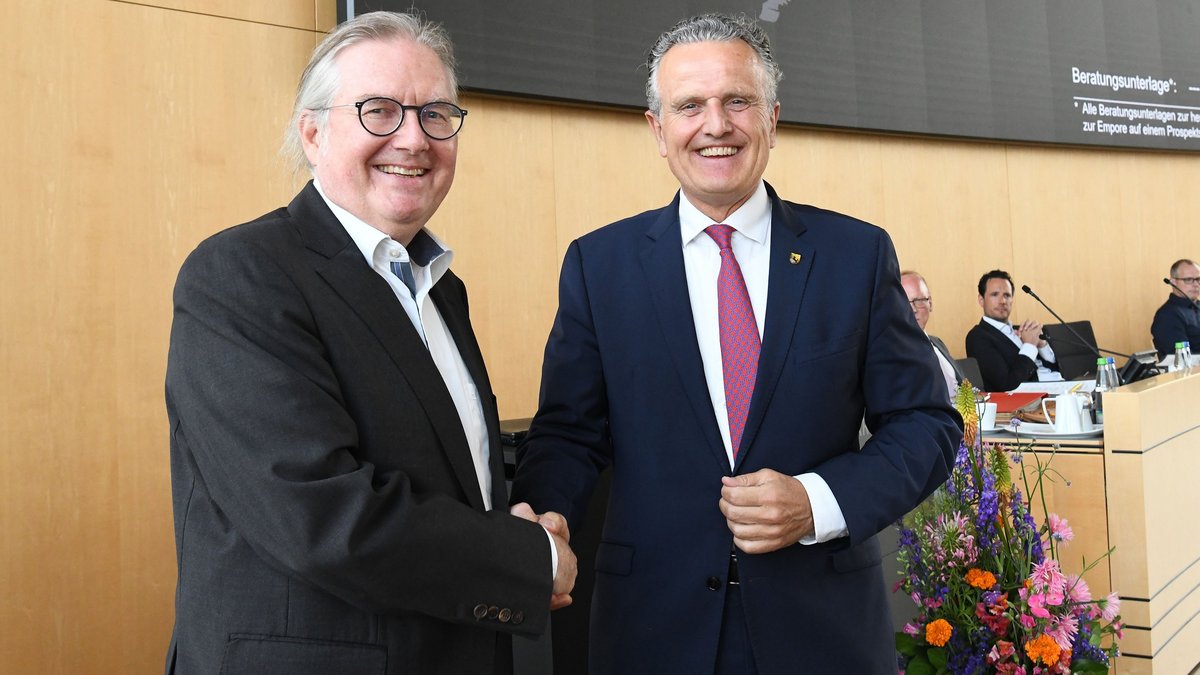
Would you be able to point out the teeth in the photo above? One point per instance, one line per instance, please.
(399, 170)
(722, 151)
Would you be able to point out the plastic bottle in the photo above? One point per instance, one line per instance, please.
(1102, 386)
(1179, 361)
(1187, 355)
(1114, 376)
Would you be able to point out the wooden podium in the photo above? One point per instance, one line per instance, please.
(1152, 489)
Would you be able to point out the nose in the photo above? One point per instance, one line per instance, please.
(716, 119)
(410, 136)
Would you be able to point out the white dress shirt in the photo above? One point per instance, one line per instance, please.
(948, 373)
(1038, 355)
(380, 251)
(702, 262)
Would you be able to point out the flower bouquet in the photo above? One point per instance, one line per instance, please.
(984, 574)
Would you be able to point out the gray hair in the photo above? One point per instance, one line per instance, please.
(1180, 263)
(714, 27)
(319, 83)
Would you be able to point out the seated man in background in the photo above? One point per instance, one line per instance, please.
(1179, 317)
(921, 301)
(1007, 354)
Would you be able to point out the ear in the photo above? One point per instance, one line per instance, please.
(656, 127)
(981, 301)
(774, 123)
(311, 138)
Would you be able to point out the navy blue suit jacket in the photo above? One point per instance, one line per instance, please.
(623, 384)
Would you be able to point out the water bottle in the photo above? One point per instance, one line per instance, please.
(1114, 377)
(1179, 361)
(1187, 355)
(1102, 385)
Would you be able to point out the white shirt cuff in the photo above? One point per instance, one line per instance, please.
(553, 556)
(1029, 350)
(828, 521)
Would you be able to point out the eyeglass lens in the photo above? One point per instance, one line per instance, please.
(383, 116)
(1188, 280)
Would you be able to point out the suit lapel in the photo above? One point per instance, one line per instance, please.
(373, 301)
(458, 322)
(661, 257)
(941, 347)
(787, 283)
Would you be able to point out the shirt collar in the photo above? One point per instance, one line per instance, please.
(1001, 326)
(751, 218)
(425, 249)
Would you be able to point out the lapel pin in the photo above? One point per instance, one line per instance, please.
(794, 259)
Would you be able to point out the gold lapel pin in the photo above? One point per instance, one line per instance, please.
(794, 259)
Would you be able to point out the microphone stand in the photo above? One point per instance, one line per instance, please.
(1079, 337)
(1172, 285)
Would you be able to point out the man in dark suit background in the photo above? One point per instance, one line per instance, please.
(1178, 319)
(719, 354)
(921, 301)
(335, 455)
(1008, 354)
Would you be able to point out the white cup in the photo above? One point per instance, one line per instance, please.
(987, 421)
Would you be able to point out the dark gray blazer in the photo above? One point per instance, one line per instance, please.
(328, 518)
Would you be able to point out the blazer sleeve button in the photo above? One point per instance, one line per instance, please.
(505, 615)
(493, 612)
(480, 611)
(518, 617)
(713, 583)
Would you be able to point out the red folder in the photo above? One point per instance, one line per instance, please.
(1008, 403)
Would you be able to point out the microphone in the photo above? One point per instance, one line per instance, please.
(1079, 337)
(1172, 285)
(1089, 345)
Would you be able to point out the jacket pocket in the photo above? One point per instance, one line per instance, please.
(280, 655)
(614, 558)
(859, 557)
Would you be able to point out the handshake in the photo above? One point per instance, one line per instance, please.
(560, 534)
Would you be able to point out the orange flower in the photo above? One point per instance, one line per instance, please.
(938, 632)
(981, 579)
(1044, 648)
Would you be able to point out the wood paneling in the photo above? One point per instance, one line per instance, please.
(137, 131)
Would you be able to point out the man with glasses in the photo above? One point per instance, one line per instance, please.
(338, 484)
(921, 302)
(1179, 317)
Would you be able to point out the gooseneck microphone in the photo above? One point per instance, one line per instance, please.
(1079, 337)
(1172, 285)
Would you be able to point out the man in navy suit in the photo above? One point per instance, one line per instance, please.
(1008, 354)
(335, 452)
(718, 355)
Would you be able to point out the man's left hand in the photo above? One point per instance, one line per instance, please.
(766, 510)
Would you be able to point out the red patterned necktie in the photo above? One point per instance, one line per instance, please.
(740, 343)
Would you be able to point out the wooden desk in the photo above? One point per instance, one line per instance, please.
(1152, 467)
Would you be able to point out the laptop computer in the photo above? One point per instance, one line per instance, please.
(1076, 357)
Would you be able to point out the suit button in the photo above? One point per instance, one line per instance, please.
(480, 611)
(505, 615)
(517, 617)
(493, 612)
(713, 583)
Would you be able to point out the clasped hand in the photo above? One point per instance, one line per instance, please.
(556, 525)
(766, 510)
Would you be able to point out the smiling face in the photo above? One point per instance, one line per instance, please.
(393, 183)
(715, 129)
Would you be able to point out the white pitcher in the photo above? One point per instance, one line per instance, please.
(1068, 414)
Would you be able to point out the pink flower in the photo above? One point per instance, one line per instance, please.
(1063, 630)
(1078, 591)
(1059, 529)
(1028, 621)
(911, 629)
(1112, 605)
(1037, 606)
(1049, 579)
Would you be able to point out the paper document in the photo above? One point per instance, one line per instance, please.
(1056, 388)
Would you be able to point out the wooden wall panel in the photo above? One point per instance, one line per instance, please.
(142, 130)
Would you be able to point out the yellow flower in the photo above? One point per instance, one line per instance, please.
(1044, 648)
(938, 632)
(981, 579)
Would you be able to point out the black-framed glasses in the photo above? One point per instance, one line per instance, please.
(1188, 280)
(921, 303)
(382, 116)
